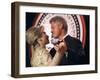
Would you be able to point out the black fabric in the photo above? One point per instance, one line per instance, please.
(76, 54)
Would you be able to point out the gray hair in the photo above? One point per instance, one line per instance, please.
(61, 20)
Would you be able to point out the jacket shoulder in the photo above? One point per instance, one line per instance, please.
(74, 44)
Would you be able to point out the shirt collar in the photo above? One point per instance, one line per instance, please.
(64, 37)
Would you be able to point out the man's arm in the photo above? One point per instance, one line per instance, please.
(76, 54)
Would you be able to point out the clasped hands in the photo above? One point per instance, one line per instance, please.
(61, 47)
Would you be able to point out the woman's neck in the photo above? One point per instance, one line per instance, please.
(42, 46)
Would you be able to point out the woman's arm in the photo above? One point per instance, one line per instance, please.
(60, 49)
(56, 60)
(32, 54)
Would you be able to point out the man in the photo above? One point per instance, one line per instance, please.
(70, 48)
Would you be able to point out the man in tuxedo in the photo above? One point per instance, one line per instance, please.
(70, 47)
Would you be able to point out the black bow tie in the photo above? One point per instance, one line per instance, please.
(59, 41)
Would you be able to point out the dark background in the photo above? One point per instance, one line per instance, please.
(30, 20)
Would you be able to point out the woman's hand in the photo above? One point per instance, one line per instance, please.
(61, 47)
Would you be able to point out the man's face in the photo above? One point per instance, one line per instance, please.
(55, 29)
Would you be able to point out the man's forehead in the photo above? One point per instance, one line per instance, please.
(55, 23)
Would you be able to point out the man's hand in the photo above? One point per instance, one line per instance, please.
(61, 47)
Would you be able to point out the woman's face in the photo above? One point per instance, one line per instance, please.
(44, 39)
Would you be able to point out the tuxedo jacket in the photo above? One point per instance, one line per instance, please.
(75, 52)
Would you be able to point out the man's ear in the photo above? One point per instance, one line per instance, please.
(61, 26)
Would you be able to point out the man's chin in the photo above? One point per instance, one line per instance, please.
(47, 42)
(54, 36)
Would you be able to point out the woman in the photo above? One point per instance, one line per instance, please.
(38, 39)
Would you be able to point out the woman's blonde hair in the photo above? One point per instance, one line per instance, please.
(32, 34)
